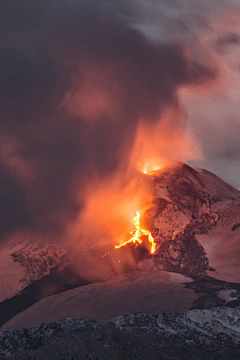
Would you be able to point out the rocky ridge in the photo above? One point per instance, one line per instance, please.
(189, 335)
(191, 202)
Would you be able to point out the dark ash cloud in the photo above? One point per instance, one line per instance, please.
(75, 78)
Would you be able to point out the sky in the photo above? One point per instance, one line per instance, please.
(77, 78)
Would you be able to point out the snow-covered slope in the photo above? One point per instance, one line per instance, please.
(189, 335)
(149, 291)
(24, 261)
(196, 226)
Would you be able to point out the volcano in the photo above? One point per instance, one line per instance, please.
(194, 220)
(196, 229)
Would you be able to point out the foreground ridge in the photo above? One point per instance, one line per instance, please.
(192, 334)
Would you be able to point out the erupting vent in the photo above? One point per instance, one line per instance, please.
(137, 233)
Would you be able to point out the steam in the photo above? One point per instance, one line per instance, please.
(80, 84)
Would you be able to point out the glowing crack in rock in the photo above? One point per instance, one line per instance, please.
(137, 233)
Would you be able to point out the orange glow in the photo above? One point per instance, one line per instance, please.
(157, 145)
(137, 233)
(109, 206)
(151, 165)
(110, 201)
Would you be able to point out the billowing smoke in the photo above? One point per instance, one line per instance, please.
(78, 81)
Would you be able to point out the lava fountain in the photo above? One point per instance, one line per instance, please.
(137, 233)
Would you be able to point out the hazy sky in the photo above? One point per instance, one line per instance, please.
(212, 30)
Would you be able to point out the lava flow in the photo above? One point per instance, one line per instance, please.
(137, 233)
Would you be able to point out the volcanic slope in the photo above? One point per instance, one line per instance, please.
(197, 225)
(196, 230)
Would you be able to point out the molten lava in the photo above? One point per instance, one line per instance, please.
(150, 166)
(137, 233)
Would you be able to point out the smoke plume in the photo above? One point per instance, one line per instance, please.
(79, 82)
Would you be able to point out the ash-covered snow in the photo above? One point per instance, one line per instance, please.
(26, 261)
(11, 274)
(193, 334)
(148, 291)
(196, 226)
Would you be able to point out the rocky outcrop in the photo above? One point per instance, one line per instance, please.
(37, 259)
(189, 202)
(26, 261)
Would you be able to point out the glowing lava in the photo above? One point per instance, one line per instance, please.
(149, 168)
(137, 233)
